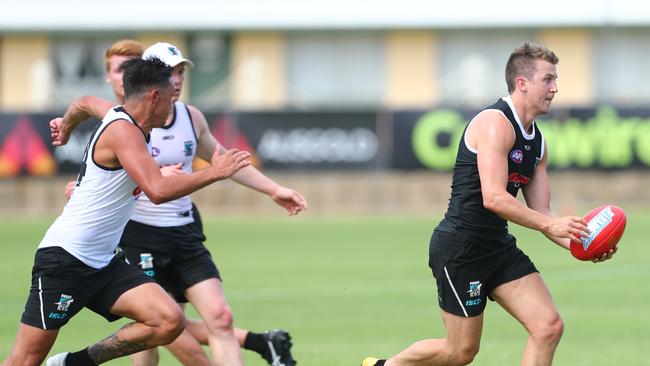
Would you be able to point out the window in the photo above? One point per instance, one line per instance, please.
(473, 63)
(335, 70)
(621, 66)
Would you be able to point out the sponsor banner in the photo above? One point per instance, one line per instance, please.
(588, 138)
(304, 141)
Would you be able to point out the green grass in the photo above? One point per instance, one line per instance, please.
(351, 287)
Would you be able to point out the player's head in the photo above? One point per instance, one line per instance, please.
(524, 61)
(117, 53)
(149, 81)
(531, 70)
(173, 57)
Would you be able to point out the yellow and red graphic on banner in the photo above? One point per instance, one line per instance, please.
(227, 134)
(23, 149)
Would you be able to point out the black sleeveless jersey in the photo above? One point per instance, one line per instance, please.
(466, 214)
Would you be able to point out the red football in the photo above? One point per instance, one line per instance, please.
(607, 224)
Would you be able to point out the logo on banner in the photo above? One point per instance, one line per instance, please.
(319, 145)
(23, 149)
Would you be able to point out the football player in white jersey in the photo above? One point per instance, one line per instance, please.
(152, 226)
(76, 264)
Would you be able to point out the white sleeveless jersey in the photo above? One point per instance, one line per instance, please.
(92, 221)
(171, 144)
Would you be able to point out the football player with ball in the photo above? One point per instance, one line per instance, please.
(471, 254)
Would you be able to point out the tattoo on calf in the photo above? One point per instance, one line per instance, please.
(112, 347)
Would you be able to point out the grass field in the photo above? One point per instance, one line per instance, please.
(351, 287)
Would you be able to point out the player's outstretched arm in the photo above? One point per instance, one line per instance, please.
(249, 176)
(124, 142)
(79, 111)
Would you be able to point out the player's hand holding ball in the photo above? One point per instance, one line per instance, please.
(607, 224)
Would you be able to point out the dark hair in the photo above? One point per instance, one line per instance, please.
(140, 75)
(522, 62)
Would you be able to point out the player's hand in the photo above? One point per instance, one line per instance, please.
(69, 188)
(228, 162)
(59, 136)
(174, 169)
(291, 200)
(571, 227)
(605, 256)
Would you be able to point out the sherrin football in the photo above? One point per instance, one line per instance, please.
(607, 224)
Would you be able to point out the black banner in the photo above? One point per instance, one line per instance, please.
(305, 141)
(587, 138)
(584, 138)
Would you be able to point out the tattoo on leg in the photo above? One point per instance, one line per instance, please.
(112, 347)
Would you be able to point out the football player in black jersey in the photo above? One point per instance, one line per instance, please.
(471, 254)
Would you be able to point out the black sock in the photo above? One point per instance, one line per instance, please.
(380, 362)
(79, 358)
(255, 342)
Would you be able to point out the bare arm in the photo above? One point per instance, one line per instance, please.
(79, 111)
(492, 136)
(538, 197)
(122, 143)
(249, 176)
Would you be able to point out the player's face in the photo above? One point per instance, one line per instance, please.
(114, 75)
(543, 86)
(163, 106)
(178, 77)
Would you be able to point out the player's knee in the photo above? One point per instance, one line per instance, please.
(548, 331)
(464, 356)
(171, 325)
(220, 317)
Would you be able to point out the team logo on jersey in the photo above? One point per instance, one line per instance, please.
(189, 148)
(64, 302)
(517, 156)
(474, 288)
(168, 137)
(155, 151)
(527, 147)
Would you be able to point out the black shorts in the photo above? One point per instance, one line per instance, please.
(174, 256)
(62, 285)
(466, 274)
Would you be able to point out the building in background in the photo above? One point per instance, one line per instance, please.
(314, 55)
(337, 85)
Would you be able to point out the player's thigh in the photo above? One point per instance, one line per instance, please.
(463, 333)
(207, 296)
(527, 299)
(147, 303)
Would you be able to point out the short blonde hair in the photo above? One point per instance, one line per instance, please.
(522, 62)
(123, 47)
